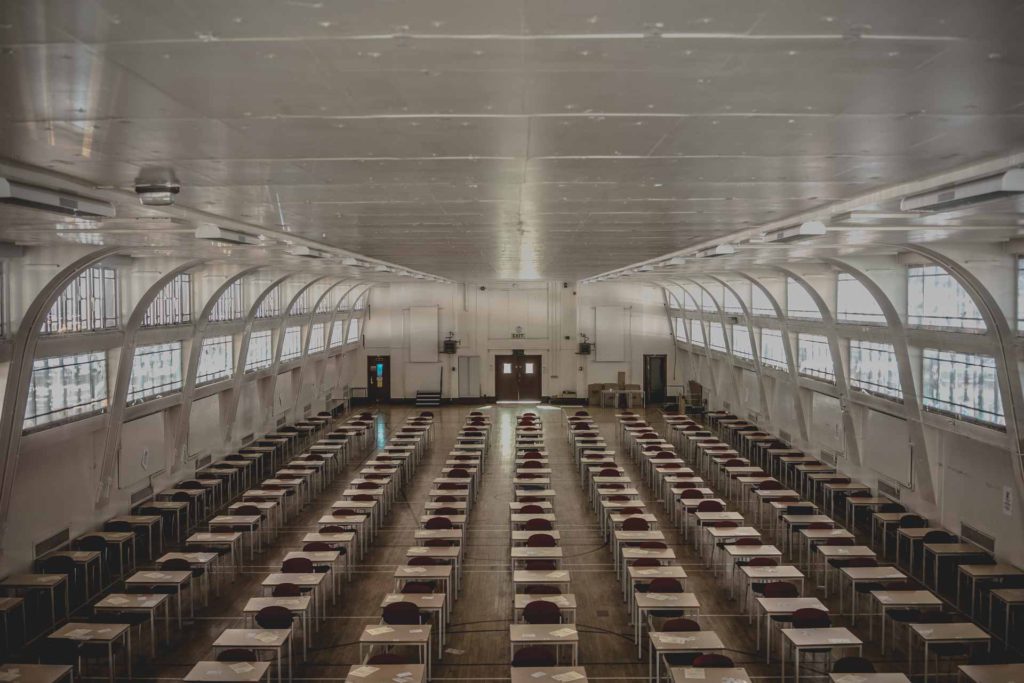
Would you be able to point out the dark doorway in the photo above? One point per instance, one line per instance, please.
(654, 378)
(517, 378)
(378, 378)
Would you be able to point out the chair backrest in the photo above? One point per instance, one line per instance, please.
(635, 524)
(690, 494)
(286, 590)
(763, 562)
(176, 564)
(413, 587)
(534, 656)
(542, 589)
(297, 565)
(237, 654)
(405, 613)
(853, 665)
(316, 547)
(710, 506)
(609, 472)
(680, 625)
(274, 616)
(800, 510)
(248, 510)
(542, 612)
(891, 507)
(61, 651)
(713, 661)
(538, 524)
(531, 510)
(809, 617)
(58, 564)
(645, 562)
(664, 585)
(367, 485)
(438, 523)
(446, 511)
(939, 537)
(653, 545)
(422, 561)
(780, 589)
(531, 465)
(748, 541)
(541, 541)
(541, 565)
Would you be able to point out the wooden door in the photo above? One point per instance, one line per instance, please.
(517, 378)
(378, 378)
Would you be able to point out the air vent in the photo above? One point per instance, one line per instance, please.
(53, 542)
(978, 538)
(828, 456)
(204, 461)
(281, 421)
(785, 436)
(142, 494)
(247, 439)
(889, 489)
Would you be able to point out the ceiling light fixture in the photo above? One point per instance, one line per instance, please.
(1005, 184)
(717, 250)
(215, 233)
(307, 252)
(58, 201)
(804, 231)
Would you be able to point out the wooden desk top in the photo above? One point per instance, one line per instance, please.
(561, 674)
(543, 633)
(687, 675)
(252, 637)
(91, 632)
(227, 672)
(993, 673)
(961, 631)
(395, 633)
(34, 673)
(693, 641)
(820, 637)
(386, 673)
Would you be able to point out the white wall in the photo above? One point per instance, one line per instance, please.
(484, 318)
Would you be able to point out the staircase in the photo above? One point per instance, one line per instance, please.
(427, 399)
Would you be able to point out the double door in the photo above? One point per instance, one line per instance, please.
(517, 378)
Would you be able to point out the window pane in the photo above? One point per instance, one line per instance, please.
(506, 368)
(353, 331)
(936, 299)
(773, 352)
(229, 305)
(301, 305)
(696, 333)
(732, 304)
(815, 357)
(741, 342)
(709, 294)
(260, 351)
(173, 305)
(270, 307)
(292, 344)
(873, 368)
(799, 303)
(854, 302)
(337, 333)
(759, 303)
(690, 299)
(716, 337)
(156, 371)
(89, 303)
(680, 329)
(316, 338)
(215, 359)
(66, 386)
(529, 368)
(963, 384)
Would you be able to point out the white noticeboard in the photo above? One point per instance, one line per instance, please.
(423, 335)
(886, 448)
(610, 324)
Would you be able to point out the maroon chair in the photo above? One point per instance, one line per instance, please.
(541, 541)
(438, 523)
(401, 613)
(534, 656)
(542, 612)
(635, 524)
(537, 524)
(713, 661)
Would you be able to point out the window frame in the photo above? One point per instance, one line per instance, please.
(768, 361)
(175, 298)
(928, 321)
(949, 408)
(264, 360)
(223, 372)
(291, 343)
(742, 333)
(145, 393)
(96, 405)
(864, 382)
(230, 304)
(819, 341)
(849, 316)
(83, 305)
(812, 313)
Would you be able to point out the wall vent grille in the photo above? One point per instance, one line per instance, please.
(142, 494)
(247, 439)
(785, 436)
(53, 542)
(828, 456)
(887, 488)
(204, 461)
(978, 538)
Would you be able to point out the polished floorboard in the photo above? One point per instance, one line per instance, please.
(478, 645)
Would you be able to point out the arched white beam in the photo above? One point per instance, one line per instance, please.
(794, 373)
(243, 351)
(19, 373)
(755, 345)
(282, 326)
(838, 366)
(911, 401)
(344, 332)
(313, 313)
(119, 398)
(720, 309)
(188, 386)
(998, 330)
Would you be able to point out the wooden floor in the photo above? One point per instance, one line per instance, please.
(478, 647)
